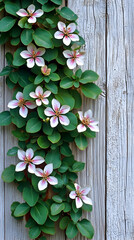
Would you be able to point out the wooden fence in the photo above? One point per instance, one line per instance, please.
(108, 28)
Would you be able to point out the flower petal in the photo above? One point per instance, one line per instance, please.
(61, 26)
(64, 109)
(77, 187)
(74, 37)
(66, 40)
(32, 19)
(48, 169)
(13, 104)
(31, 9)
(39, 91)
(39, 172)
(38, 160)
(40, 51)
(68, 54)
(38, 102)
(87, 200)
(49, 112)
(93, 128)
(30, 63)
(29, 153)
(40, 61)
(59, 35)
(21, 155)
(54, 121)
(45, 101)
(71, 27)
(25, 54)
(38, 13)
(78, 202)
(33, 95)
(80, 115)
(46, 94)
(64, 120)
(23, 111)
(31, 48)
(81, 128)
(71, 63)
(19, 96)
(72, 195)
(80, 61)
(30, 105)
(88, 114)
(42, 184)
(55, 104)
(85, 191)
(52, 180)
(31, 168)
(22, 13)
(20, 166)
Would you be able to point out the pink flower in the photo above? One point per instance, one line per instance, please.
(31, 13)
(45, 70)
(57, 113)
(40, 96)
(80, 196)
(66, 33)
(20, 102)
(33, 55)
(46, 178)
(75, 57)
(28, 158)
(87, 121)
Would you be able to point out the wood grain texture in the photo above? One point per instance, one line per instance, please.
(120, 115)
(91, 24)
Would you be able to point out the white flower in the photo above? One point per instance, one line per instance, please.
(33, 55)
(46, 178)
(80, 196)
(57, 113)
(40, 96)
(20, 102)
(31, 13)
(87, 121)
(28, 158)
(75, 57)
(66, 33)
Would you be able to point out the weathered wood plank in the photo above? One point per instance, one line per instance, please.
(91, 24)
(120, 115)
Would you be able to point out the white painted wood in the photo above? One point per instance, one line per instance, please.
(91, 23)
(120, 115)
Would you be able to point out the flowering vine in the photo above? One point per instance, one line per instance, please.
(46, 115)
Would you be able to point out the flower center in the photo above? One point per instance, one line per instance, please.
(41, 97)
(78, 194)
(45, 176)
(27, 160)
(86, 121)
(21, 102)
(33, 54)
(57, 113)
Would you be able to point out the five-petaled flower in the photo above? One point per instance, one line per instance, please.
(28, 158)
(40, 96)
(20, 102)
(75, 57)
(80, 196)
(46, 178)
(45, 70)
(87, 121)
(33, 55)
(66, 33)
(57, 113)
(31, 13)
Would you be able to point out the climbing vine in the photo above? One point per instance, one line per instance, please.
(45, 74)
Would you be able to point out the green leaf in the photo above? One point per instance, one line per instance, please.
(78, 166)
(67, 13)
(34, 232)
(58, 2)
(71, 230)
(54, 77)
(67, 207)
(81, 142)
(42, 238)
(51, 86)
(88, 76)
(91, 90)
(76, 216)
(66, 82)
(73, 122)
(64, 222)
(14, 206)
(51, 54)
(27, 36)
(54, 157)
(65, 98)
(7, 23)
(38, 79)
(90, 134)
(19, 176)
(15, 41)
(43, 38)
(8, 174)
(65, 150)
(30, 196)
(6, 70)
(76, 95)
(55, 137)
(43, 142)
(39, 213)
(5, 118)
(27, 89)
(12, 8)
(18, 60)
(48, 227)
(33, 125)
(57, 199)
(56, 208)
(21, 135)
(21, 210)
(87, 207)
(48, 7)
(85, 228)
(13, 151)
(13, 77)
